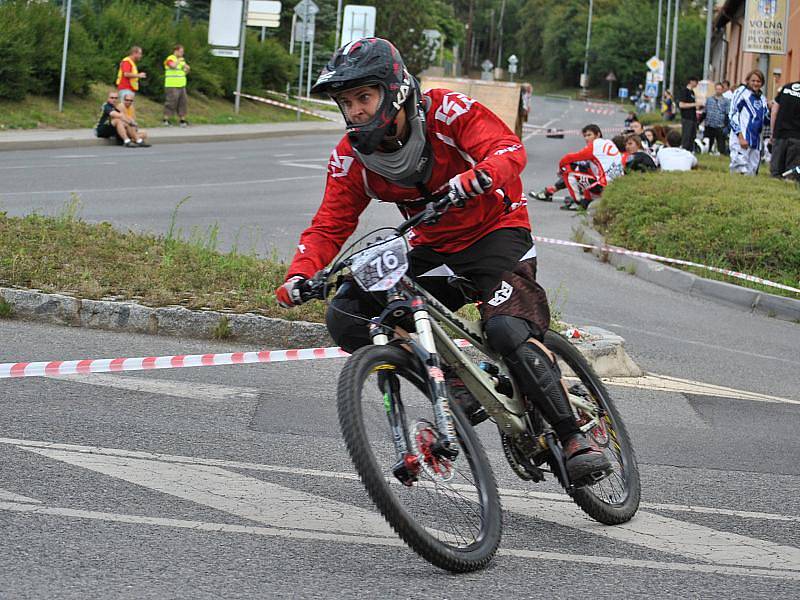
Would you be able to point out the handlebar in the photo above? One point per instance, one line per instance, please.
(315, 288)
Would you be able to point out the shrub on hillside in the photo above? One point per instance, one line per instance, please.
(16, 52)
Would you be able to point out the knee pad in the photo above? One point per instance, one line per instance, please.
(506, 333)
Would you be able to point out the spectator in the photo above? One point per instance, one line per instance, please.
(129, 112)
(630, 119)
(727, 91)
(668, 106)
(635, 158)
(675, 158)
(717, 109)
(128, 74)
(525, 101)
(747, 115)
(785, 130)
(654, 144)
(113, 123)
(638, 129)
(175, 70)
(688, 106)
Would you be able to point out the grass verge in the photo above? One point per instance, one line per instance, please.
(746, 224)
(64, 254)
(42, 112)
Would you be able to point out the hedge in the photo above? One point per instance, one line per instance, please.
(32, 35)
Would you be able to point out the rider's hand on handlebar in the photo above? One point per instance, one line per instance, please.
(470, 183)
(288, 294)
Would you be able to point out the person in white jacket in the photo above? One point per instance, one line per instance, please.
(748, 114)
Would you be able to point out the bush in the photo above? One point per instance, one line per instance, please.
(16, 51)
(747, 224)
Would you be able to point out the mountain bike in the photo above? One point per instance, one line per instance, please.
(416, 452)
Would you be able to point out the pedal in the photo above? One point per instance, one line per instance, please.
(407, 469)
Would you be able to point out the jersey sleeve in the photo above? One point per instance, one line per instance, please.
(583, 154)
(737, 104)
(483, 136)
(337, 217)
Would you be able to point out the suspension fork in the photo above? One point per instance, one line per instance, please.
(445, 424)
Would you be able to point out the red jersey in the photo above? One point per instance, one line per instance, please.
(463, 135)
(603, 157)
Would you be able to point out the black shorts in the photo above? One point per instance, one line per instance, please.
(107, 130)
(492, 261)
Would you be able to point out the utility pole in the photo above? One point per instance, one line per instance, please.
(240, 69)
(674, 44)
(707, 50)
(658, 29)
(64, 58)
(500, 34)
(666, 43)
(336, 42)
(585, 78)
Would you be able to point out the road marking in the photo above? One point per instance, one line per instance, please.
(288, 163)
(182, 186)
(694, 342)
(506, 492)
(76, 156)
(12, 497)
(284, 155)
(39, 166)
(395, 542)
(665, 383)
(240, 495)
(672, 536)
(210, 392)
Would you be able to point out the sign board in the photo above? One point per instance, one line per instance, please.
(433, 37)
(512, 63)
(225, 23)
(358, 22)
(304, 32)
(651, 90)
(306, 7)
(622, 92)
(226, 52)
(263, 13)
(584, 80)
(655, 64)
(611, 76)
(765, 23)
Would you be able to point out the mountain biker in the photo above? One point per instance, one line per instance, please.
(585, 173)
(406, 147)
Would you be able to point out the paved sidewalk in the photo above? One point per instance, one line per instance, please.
(34, 139)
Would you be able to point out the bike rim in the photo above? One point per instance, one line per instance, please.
(447, 500)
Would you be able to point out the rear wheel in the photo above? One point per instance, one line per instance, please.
(449, 510)
(615, 499)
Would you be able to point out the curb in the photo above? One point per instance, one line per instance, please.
(729, 294)
(176, 136)
(604, 350)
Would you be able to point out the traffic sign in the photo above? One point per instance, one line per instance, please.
(358, 22)
(651, 90)
(654, 63)
(622, 92)
(512, 63)
(264, 13)
(304, 32)
(225, 52)
(611, 76)
(306, 7)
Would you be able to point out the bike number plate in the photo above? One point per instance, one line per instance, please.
(380, 267)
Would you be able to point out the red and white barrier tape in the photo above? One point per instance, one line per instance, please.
(287, 106)
(676, 261)
(549, 131)
(59, 368)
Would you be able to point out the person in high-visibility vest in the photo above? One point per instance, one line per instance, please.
(175, 70)
(128, 74)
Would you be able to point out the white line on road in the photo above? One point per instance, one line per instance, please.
(510, 492)
(236, 494)
(285, 155)
(211, 392)
(287, 163)
(672, 536)
(664, 383)
(12, 497)
(76, 156)
(39, 166)
(298, 534)
(182, 186)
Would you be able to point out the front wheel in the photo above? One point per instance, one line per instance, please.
(446, 509)
(615, 499)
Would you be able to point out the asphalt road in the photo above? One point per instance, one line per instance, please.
(175, 483)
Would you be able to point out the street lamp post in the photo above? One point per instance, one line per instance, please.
(674, 44)
(707, 49)
(64, 58)
(585, 78)
(667, 43)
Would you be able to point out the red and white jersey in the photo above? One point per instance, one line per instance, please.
(463, 135)
(604, 158)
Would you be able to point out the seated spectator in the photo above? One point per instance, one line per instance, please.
(114, 124)
(635, 157)
(675, 158)
(653, 143)
(129, 111)
(630, 119)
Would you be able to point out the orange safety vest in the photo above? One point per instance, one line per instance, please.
(134, 70)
